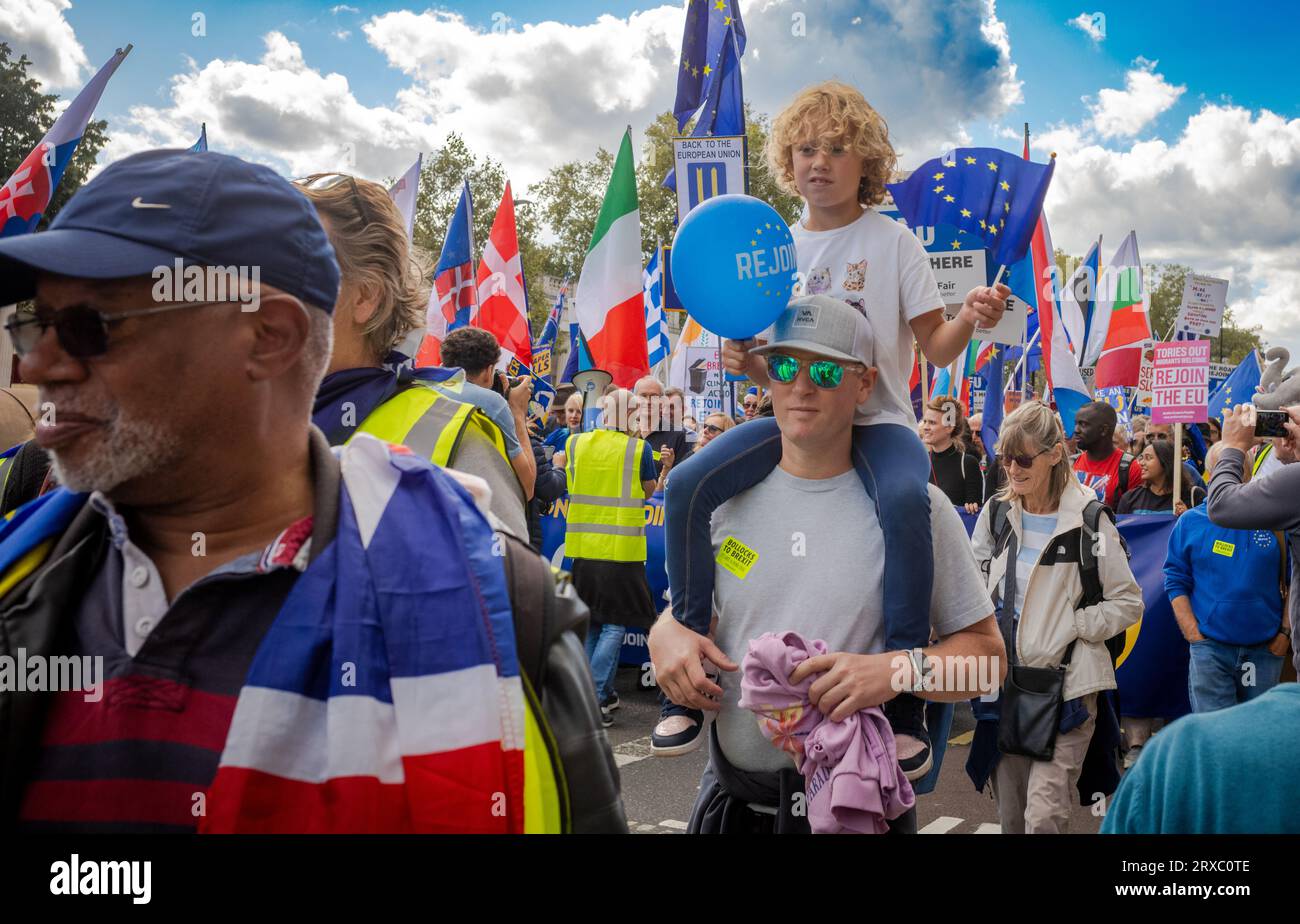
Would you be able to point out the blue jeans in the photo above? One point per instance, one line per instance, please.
(604, 642)
(1217, 669)
(895, 470)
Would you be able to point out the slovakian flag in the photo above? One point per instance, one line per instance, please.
(404, 193)
(502, 298)
(26, 195)
(610, 299)
(1121, 322)
(202, 144)
(452, 301)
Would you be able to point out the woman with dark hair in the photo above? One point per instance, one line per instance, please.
(1155, 493)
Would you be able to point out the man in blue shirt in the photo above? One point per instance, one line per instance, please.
(1225, 586)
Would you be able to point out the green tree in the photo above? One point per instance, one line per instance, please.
(26, 114)
(571, 194)
(1164, 283)
(441, 176)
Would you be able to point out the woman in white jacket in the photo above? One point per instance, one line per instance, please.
(1045, 506)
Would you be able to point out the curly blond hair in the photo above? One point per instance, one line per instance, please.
(833, 112)
(370, 242)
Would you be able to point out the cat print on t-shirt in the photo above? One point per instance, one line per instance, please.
(819, 281)
(855, 276)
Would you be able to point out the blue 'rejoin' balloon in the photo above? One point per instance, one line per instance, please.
(733, 265)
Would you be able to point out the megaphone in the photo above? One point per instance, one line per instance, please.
(591, 384)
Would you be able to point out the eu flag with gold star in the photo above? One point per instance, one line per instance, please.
(994, 195)
(710, 27)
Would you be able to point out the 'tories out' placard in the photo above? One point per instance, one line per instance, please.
(1180, 382)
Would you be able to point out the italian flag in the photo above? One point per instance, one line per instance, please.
(1121, 329)
(609, 298)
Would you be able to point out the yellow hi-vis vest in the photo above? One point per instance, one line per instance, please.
(606, 501)
(1260, 457)
(429, 423)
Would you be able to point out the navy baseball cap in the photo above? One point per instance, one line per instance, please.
(155, 207)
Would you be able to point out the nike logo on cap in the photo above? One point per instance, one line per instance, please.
(138, 203)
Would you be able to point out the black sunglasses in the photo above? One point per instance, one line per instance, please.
(1022, 461)
(82, 330)
(710, 428)
(324, 181)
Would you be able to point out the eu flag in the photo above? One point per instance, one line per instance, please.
(1238, 388)
(708, 24)
(994, 195)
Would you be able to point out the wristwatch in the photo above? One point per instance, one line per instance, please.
(920, 669)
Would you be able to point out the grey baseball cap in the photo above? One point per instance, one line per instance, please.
(825, 326)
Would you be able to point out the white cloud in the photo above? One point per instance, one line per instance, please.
(343, 8)
(342, 34)
(37, 28)
(1146, 94)
(1221, 198)
(1092, 24)
(545, 93)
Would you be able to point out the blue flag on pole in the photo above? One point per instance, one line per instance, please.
(721, 102)
(544, 344)
(710, 26)
(1238, 388)
(990, 194)
(202, 144)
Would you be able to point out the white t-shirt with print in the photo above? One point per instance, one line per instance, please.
(878, 265)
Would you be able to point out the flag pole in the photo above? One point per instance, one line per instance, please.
(1178, 464)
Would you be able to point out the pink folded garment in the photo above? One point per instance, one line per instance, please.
(850, 768)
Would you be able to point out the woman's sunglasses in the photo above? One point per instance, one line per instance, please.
(82, 330)
(824, 373)
(711, 429)
(1022, 461)
(323, 181)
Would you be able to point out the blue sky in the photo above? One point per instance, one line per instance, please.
(1242, 58)
(1180, 122)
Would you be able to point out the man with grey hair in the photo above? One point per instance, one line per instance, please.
(195, 492)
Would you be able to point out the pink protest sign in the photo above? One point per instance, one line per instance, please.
(1180, 380)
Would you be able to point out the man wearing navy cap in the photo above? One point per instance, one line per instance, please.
(194, 494)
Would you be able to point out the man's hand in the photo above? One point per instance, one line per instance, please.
(559, 460)
(1179, 508)
(1278, 646)
(1239, 428)
(984, 305)
(666, 459)
(676, 653)
(520, 394)
(849, 682)
(1293, 428)
(1194, 636)
(737, 360)
(972, 508)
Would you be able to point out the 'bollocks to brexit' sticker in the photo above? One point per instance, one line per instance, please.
(736, 557)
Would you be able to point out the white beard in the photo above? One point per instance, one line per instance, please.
(130, 449)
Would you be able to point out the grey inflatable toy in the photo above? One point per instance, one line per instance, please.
(1278, 388)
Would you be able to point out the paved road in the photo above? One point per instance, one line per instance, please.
(658, 792)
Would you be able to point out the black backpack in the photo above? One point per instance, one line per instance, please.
(1089, 574)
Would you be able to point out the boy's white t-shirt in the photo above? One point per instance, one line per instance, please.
(878, 265)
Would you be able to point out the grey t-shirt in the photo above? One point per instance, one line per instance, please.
(810, 552)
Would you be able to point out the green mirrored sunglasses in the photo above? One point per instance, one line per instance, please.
(824, 373)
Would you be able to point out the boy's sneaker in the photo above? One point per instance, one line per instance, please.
(606, 717)
(611, 702)
(906, 715)
(679, 732)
